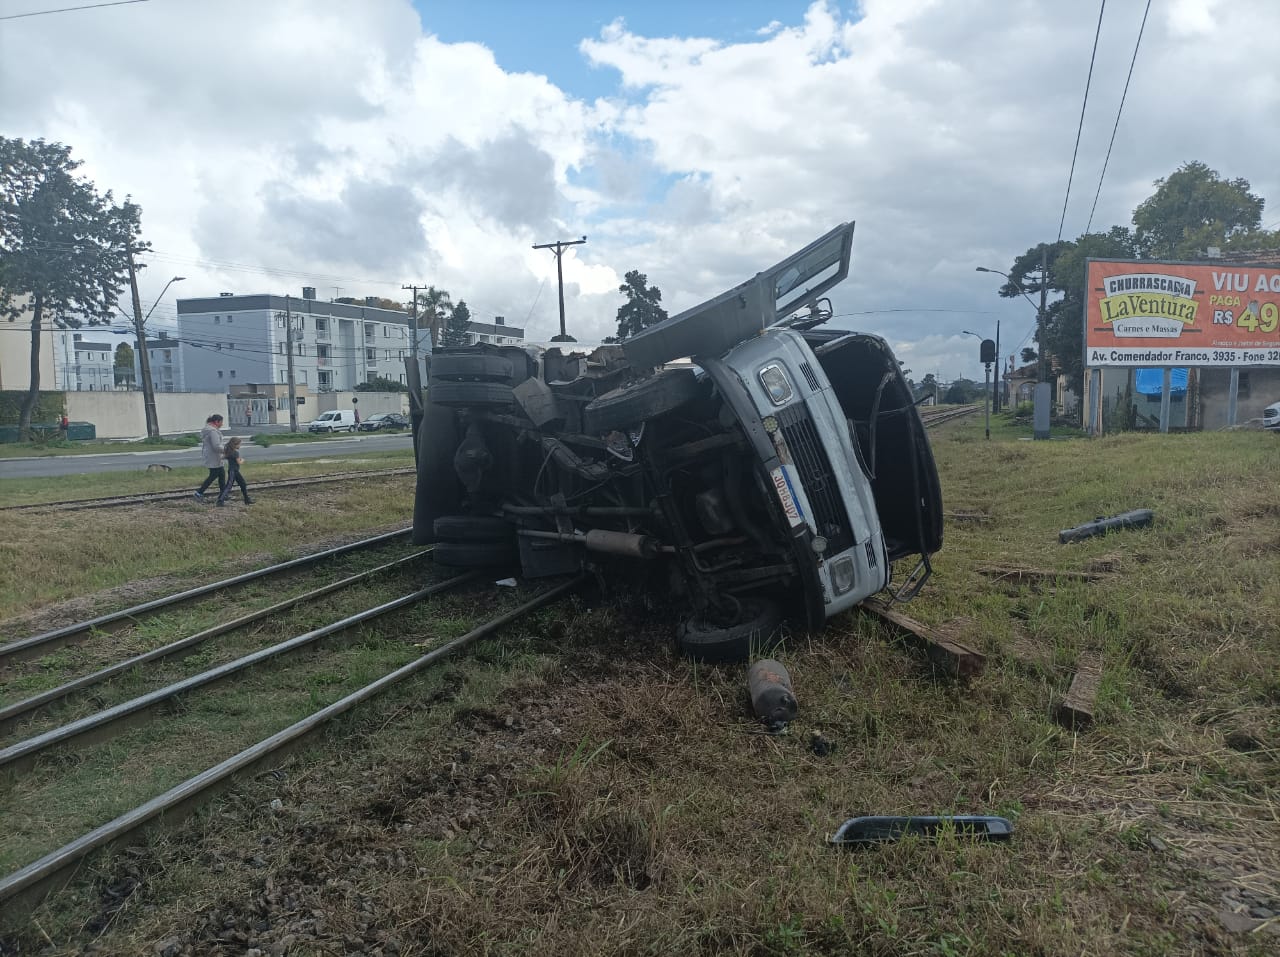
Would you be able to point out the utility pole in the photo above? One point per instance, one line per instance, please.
(413, 324)
(288, 352)
(995, 394)
(144, 361)
(1044, 291)
(558, 247)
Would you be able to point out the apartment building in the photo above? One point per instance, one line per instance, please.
(233, 339)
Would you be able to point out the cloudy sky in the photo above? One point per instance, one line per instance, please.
(356, 145)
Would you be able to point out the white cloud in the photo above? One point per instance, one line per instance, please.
(364, 151)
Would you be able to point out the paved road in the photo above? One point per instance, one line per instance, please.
(136, 461)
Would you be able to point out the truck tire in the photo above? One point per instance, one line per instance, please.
(473, 528)
(472, 367)
(438, 491)
(705, 641)
(475, 554)
(640, 401)
(494, 395)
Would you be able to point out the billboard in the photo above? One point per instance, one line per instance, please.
(1181, 314)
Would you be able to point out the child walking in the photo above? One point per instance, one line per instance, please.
(234, 475)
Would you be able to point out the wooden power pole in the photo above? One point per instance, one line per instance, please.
(558, 247)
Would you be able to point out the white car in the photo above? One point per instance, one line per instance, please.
(339, 420)
(1271, 416)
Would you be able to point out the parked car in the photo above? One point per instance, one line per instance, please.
(1271, 416)
(339, 420)
(386, 421)
(780, 472)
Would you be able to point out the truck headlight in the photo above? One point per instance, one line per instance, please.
(775, 382)
(842, 575)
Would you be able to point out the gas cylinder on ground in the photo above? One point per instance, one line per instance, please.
(772, 698)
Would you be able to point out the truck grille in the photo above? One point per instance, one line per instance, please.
(820, 485)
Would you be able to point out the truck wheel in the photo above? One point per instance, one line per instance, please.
(475, 554)
(473, 528)
(474, 394)
(706, 641)
(640, 401)
(438, 490)
(472, 367)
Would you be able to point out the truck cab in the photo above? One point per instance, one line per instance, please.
(738, 457)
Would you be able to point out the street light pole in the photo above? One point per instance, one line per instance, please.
(1039, 308)
(144, 360)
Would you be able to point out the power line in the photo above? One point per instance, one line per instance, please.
(87, 6)
(1118, 112)
(1080, 128)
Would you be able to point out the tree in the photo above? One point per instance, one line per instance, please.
(1029, 356)
(1193, 209)
(64, 246)
(124, 364)
(433, 308)
(642, 307)
(455, 329)
(378, 302)
(380, 384)
(928, 385)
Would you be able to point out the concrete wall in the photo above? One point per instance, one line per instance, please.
(187, 411)
(120, 415)
(369, 403)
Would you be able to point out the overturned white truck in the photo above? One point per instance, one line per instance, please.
(749, 464)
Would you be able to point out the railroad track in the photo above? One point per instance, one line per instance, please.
(932, 417)
(168, 495)
(32, 880)
(39, 645)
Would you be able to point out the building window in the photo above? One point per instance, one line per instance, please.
(217, 320)
(279, 322)
(368, 330)
(219, 346)
(280, 348)
(302, 348)
(283, 376)
(322, 326)
(168, 355)
(386, 332)
(371, 355)
(229, 318)
(233, 373)
(322, 350)
(402, 378)
(219, 373)
(231, 345)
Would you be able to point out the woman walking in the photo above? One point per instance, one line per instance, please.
(211, 454)
(234, 475)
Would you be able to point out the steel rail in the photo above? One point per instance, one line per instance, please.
(164, 495)
(38, 876)
(10, 713)
(26, 648)
(21, 756)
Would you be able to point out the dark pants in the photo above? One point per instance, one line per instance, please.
(213, 474)
(234, 477)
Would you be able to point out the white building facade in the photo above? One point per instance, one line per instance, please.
(231, 339)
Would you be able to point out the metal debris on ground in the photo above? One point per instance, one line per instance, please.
(772, 697)
(1138, 518)
(883, 829)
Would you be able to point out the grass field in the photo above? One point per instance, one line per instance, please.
(574, 788)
